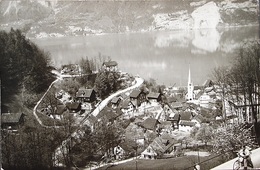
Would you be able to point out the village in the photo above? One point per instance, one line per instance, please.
(156, 124)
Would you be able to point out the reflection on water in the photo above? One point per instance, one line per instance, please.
(164, 56)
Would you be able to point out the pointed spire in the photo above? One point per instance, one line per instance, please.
(189, 78)
(190, 87)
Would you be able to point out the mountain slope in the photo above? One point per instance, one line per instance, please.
(58, 18)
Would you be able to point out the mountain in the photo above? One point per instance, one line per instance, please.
(42, 18)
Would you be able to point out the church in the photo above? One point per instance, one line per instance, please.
(190, 88)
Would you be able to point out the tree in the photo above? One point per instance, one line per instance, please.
(107, 82)
(229, 139)
(22, 65)
(70, 85)
(30, 149)
(204, 133)
(242, 81)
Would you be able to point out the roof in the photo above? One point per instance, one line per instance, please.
(208, 83)
(110, 63)
(171, 99)
(115, 100)
(177, 105)
(199, 118)
(149, 123)
(109, 113)
(73, 106)
(11, 117)
(176, 117)
(185, 115)
(135, 93)
(153, 95)
(84, 92)
(126, 103)
(186, 123)
(128, 145)
(60, 109)
(161, 145)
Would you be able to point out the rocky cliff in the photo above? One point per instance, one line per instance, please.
(44, 18)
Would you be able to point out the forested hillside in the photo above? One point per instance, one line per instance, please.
(24, 68)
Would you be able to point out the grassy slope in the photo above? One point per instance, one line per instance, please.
(179, 163)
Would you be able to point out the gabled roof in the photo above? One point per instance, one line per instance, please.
(150, 123)
(153, 95)
(160, 145)
(126, 103)
(208, 83)
(128, 145)
(86, 93)
(115, 100)
(176, 117)
(186, 116)
(11, 117)
(109, 113)
(73, 106)
(60, 109)
(110, 64)
(171, 99)
(135, 93)
(199, 118)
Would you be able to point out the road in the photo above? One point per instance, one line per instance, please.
(229, 165)
(138, 81)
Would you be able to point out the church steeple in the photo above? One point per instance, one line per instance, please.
(190, 88)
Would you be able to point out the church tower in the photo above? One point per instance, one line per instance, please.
(190, 94)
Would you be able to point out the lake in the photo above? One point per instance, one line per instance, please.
(163, 55)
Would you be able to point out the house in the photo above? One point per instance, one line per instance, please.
(166, 126)
(110, 66)
(127, 148)
(208, 83)
(109, 114)
(60, 109)
(198, 119)
(86, 95)
(154, 97)
(150, 124)
(185, 125)
(116, 101)
(158, 148)
(185, 116)
(137, 97)
(128, 106)
(12, 121)
(74, 107)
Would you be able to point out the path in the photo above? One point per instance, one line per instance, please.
(229, 165)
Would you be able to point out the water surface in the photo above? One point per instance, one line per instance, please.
(164, 56)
